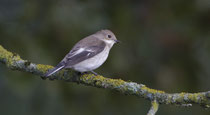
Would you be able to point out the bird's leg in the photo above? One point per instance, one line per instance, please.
(82, 73)
(94, 73)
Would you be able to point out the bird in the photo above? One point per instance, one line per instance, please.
(88, 54)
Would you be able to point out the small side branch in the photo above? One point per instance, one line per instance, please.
(154, 108)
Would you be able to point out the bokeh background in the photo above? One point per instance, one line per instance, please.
(165, 45)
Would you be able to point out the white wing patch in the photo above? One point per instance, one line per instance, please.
(88, 54)
(77, 52)
(89, 50)
(80, 50)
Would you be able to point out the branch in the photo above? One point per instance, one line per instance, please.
(14, 62)
(154, 108)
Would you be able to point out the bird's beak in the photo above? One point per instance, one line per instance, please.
(117, 41)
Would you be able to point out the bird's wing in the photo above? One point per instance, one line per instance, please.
(79, 54)
(76, 55)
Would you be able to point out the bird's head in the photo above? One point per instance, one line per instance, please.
(107, 36)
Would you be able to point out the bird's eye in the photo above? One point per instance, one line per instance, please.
(109, 36)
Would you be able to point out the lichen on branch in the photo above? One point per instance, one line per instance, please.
(154, 108)
(14, 62)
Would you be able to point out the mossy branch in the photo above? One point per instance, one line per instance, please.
(14, 62)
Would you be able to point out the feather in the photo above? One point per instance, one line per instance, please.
(55, 69)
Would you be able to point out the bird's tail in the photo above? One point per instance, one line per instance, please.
(55, 69)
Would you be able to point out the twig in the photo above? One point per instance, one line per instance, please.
(154, 108)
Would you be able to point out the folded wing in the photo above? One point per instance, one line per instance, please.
(75, 56)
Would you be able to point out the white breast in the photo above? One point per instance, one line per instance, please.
(92, 63)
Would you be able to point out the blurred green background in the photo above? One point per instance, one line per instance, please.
(165, 45)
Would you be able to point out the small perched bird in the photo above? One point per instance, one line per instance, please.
(88, 54)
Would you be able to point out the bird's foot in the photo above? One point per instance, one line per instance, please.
(94, 73)
(82, 73)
